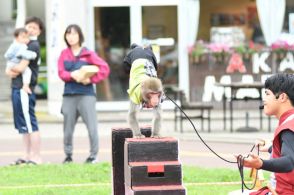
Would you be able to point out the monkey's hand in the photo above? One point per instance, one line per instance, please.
(157, 136)
(156, 122)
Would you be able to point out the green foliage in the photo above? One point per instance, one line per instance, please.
(43, 54)
(14, 14)
(42, 78)
(248, 48)
(241, 49)
(198, 49)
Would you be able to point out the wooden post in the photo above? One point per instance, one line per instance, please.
(259, 178)
(118, 139)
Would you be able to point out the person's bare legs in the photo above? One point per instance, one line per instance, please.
(27, 146)
(35, 145)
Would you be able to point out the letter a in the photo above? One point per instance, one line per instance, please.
(287, 62)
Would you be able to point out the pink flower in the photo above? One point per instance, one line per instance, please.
(291, 47)
(218, 47)
(190, 49)
(280, 45)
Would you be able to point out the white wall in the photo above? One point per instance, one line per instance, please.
(5, 10)
(59, 14)
(36, 8)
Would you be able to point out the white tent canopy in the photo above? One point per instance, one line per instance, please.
(21, 13)
(271, 16)
(193, 11)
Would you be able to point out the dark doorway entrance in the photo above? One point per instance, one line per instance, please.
(112, 32)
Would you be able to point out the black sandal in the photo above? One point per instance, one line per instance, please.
(30, 162)
(19, 162)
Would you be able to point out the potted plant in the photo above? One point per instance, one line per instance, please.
(197, 50)
(280, 48)
(220, 51)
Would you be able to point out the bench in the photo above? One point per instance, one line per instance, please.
(203, 108)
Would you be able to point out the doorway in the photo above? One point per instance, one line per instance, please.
(112, 35)
(160, 22)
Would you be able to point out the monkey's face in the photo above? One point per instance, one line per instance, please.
(153, 99)
(151, 92)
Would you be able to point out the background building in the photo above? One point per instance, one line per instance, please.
(110, 26)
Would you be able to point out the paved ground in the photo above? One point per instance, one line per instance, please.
(192, 150)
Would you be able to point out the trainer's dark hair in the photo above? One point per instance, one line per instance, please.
(76, 28)
(34, 19)
(281, 83)
(134, 45)
(18, 31)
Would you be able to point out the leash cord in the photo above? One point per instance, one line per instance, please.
(240, 158)
(240, 163)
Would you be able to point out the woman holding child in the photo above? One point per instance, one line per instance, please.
(22, 91)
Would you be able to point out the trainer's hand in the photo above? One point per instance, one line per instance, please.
(253, 161)
(263, 145)
(259, 142)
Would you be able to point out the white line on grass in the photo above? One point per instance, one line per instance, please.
(108, 184)
(217, 183)
(55, 185)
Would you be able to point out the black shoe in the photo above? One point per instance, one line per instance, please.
(91, 160)
(68, 159)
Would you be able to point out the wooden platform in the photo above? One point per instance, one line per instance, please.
(151, 166)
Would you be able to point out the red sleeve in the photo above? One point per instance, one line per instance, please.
(62, 73)
(103, 68)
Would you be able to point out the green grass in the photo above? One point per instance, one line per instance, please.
(195, 179)
(96, 179)
(31, 179)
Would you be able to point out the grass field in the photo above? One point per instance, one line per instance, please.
(96, 179)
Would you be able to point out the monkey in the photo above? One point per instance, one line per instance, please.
(145, 89)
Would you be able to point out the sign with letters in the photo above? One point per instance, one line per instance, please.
(260, 66)
(231, 36)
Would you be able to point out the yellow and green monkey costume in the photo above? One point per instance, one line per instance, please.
(143, 70)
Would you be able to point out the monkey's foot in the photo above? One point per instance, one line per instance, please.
(139, 136)
(157, 136)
